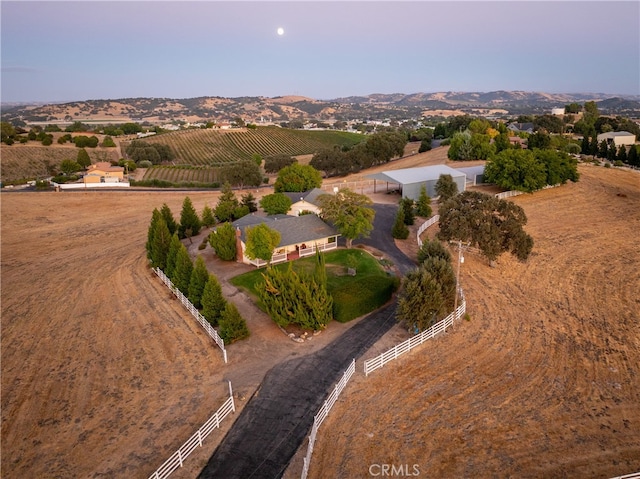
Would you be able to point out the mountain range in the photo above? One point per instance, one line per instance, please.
(287, 108)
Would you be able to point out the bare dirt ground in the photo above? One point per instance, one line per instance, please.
(543, 381)
(104, 374)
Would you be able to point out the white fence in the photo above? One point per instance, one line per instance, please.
(508, 194)
(431, 221)
(194, 311)
(275, 259)
(406, 346)
(324, 412)
(88, 186)
(178, 457)
(322, 247)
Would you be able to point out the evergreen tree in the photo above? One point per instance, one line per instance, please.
(400, 230)
(407, 204)
(289, 297)
(212, 300)
(320, 270)
(155, 217)
(172, 254)
(168, 218)
(250, 202)
(160, 244)
(199, 278)
(593, 147)
(83, 158)
(208, 219)
(622, 154)
(182, 272)
(612, 153)
(227, 204)
(585, 146)
(423, 205)
(223, 242)
(603, 149)
(233, 327)
(633, 157)
(433, 249)
(189, 221)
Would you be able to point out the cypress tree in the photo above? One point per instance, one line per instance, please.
(622, 154)
(189, 221)
(155, 217)
(172, 254)
(169, 219)
(423, 205)
(400, 230)
(320, 270)
(199, 278)
(160, 244)
(182, 273)
(212, 300)
(208, 219)
(407, 205)
(233, 327)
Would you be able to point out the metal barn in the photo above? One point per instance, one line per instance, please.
(410, 180)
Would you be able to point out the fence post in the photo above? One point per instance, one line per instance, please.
(233, 405)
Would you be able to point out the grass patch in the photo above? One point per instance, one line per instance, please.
(353, 296)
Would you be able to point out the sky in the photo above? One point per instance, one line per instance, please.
(55, 51)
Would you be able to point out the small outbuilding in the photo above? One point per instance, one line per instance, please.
(411, 180)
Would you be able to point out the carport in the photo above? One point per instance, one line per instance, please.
(410, 180)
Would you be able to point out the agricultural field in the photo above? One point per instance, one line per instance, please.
(199, 153)
(34, 161)
(104, 374)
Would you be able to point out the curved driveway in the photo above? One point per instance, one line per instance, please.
(274, 423)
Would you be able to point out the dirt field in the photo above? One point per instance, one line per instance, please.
(105, 375)
(543, 381)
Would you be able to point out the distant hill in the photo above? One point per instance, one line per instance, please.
(262, 110)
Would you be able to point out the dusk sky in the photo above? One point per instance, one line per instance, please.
(74, 51)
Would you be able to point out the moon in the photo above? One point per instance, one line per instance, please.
(280, 31)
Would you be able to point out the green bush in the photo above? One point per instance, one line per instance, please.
(361, 296)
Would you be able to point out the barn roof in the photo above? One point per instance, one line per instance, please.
(407, 176)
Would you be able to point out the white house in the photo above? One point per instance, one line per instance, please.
(305, 201)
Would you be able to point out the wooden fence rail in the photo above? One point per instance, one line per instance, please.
(406, 346)
(178, 457)
(324, 412)
(194, 311)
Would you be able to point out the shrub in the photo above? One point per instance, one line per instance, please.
(233, 327)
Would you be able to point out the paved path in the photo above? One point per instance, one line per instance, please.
(274, 423)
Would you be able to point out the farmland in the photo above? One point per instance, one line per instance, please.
(200, 153)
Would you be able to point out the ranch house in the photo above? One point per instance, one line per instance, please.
(299, 236)
(305, 201)
(104, 172)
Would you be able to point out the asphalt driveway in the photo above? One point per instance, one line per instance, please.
(276, 420)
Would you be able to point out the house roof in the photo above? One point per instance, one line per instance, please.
(103, 166)
(292, 229)
(416, 175)
(309, 196)
(613, 134)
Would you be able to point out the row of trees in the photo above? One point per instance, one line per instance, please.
(530, 170)
(604, 150)
(378, 149)
(166, 252)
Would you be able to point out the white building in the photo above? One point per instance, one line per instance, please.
(617, 138)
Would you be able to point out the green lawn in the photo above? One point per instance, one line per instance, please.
(353, 296)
